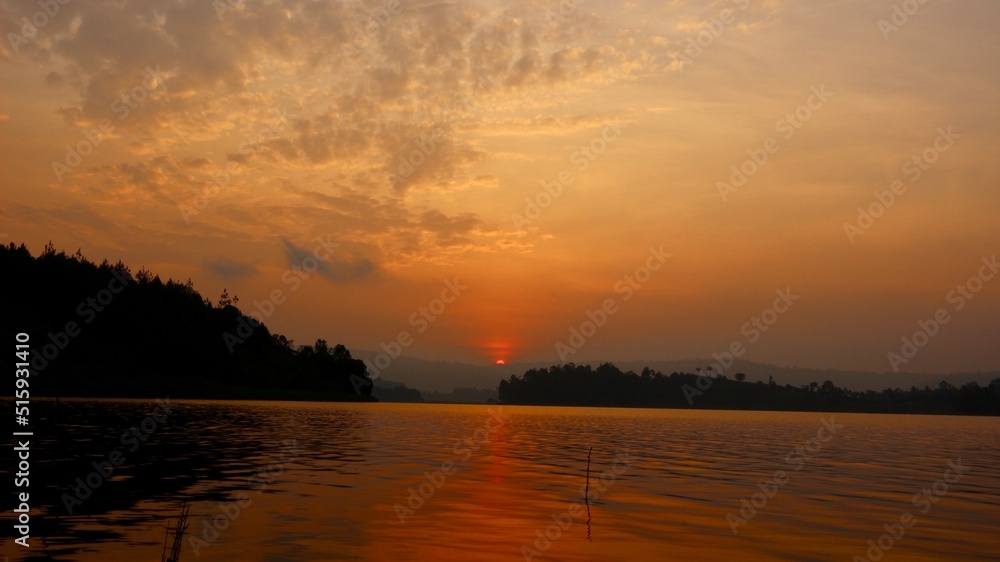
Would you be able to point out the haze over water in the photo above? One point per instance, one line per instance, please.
(334, 492)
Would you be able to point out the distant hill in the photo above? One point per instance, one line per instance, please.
(392, 391)
(440, 376)
(444, 376)
(464, 396)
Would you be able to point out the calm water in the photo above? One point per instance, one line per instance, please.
(332, 495)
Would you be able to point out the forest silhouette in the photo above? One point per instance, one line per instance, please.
(99, 330)
(607, 385)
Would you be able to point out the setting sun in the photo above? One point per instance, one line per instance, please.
(501, 362)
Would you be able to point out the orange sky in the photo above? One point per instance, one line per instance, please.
(411, 135)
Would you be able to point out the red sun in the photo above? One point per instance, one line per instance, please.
(501, 362)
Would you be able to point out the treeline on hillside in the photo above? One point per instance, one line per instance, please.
(582, 385)
(99, 330)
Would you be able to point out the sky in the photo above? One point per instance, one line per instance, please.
(807, 184)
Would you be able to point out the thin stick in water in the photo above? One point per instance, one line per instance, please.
(586, 493)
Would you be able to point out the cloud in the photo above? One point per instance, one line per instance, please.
(54, 79)
(450, 231)
(162, 179)
(231, 269)
(340, 267)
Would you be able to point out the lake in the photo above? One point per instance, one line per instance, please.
(330, 481)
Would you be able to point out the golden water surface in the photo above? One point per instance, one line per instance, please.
(274, 481)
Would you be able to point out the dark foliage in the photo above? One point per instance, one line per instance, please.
(582, 385)
(99, 330)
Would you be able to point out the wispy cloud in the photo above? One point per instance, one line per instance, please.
(340, 267)
(231, 269)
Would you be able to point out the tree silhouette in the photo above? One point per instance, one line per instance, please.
(154, 338)
(581, 385)
(225, 300)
